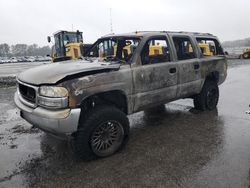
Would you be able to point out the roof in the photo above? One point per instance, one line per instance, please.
(147, 33)
(65, 32)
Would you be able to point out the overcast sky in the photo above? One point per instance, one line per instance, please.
(31, 21)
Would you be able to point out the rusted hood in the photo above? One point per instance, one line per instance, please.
(53, 72)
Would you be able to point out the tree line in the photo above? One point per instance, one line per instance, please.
(16, 50)
(236, 43)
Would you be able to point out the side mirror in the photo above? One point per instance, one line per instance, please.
(49, 39)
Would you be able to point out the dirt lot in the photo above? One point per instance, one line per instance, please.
(172, 147)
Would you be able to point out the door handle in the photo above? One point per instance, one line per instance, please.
(196, 66)
(172, 70)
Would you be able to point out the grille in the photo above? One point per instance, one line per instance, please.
(28, 93)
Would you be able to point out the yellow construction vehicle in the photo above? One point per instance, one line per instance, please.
(206, 49)
(68, 46)
(154, 49)
(246, 53)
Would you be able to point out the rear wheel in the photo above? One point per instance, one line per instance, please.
(101, 133)
(208, 98)
(245, 55)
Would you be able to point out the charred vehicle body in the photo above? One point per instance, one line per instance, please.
(122, 74)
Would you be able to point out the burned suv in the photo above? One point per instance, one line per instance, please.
(90, 99)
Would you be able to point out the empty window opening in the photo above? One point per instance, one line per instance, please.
(184, 48)
(209, 47)
(155, 51)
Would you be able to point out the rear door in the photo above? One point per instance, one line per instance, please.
(155, 80)
(189, 66)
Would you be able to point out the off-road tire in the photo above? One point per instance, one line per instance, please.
(208, 98)
(91, 123)
(245, 56)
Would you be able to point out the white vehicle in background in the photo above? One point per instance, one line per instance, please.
(4, 60)
(21, 59)
(41, 58)
(1, 60)
(48, 58)
(13, 60)
(30, 59)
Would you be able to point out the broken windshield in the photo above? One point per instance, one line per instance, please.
(119, 49)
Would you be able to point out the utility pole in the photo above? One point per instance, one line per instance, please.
(111, 25)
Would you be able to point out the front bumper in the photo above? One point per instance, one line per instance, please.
(58, 122)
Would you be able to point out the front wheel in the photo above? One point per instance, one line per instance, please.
(208, 98)
(101, 133)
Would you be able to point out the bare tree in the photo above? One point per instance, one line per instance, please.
(19, 49)
(23, 50)
(4, 50)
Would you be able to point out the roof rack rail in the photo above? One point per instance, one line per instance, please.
(195, 33)
(148, 31)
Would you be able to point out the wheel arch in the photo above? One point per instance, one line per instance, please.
(116, 98)
(213, 76)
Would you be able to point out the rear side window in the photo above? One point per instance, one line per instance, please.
(184, 48)
(156, 50)
(209, 47)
